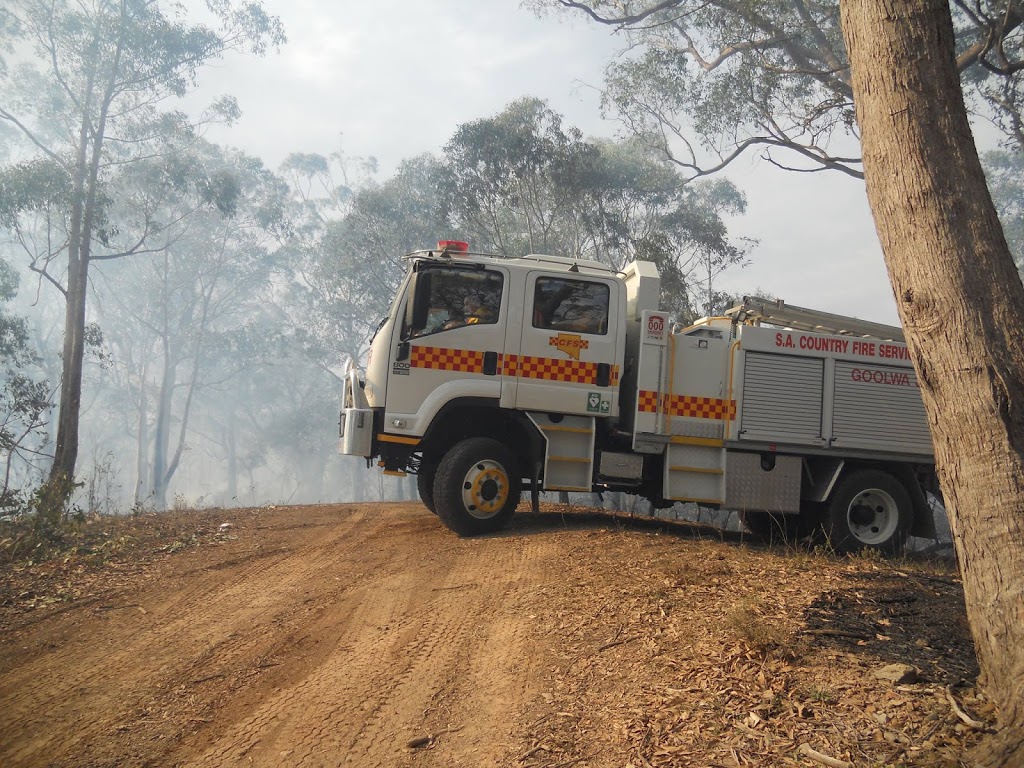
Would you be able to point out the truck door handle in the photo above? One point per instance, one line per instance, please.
(604, 374)
(490, 363)
(403, 351)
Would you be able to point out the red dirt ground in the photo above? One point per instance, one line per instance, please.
(369, 635)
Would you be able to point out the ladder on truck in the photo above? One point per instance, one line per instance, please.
(754, 311)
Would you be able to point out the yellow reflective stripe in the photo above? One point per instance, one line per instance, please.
(708, 442)
(398, 439)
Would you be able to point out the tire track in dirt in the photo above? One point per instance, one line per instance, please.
(211, 619)
(500, 680)
(310, 685)
(331, 642)
(426, 635)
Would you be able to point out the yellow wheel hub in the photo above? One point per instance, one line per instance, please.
(485, 489)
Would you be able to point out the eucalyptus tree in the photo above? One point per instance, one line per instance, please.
(961, 302)
(359, 266)
(520, 182)
(348, 280)
(90, 98)
(182, 315)
(713, 79)
(317, 315)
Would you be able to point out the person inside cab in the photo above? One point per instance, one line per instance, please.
(474, 312)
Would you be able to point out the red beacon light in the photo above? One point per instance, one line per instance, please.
(452, 246)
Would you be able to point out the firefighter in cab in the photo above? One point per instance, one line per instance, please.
(474, 311)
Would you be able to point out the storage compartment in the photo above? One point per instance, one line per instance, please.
(763, 482)
(627, 466)
(782, 398)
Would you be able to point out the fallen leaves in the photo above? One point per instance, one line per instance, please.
(725, 656)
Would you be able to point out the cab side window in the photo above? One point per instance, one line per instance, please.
(459, 297)
(560, 304)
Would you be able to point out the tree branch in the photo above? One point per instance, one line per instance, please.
(1012, 19)
(5, 115)
(621, 21)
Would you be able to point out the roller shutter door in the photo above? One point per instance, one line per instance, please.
(781, 398)
(879, 408)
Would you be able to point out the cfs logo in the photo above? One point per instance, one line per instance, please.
(570, 343)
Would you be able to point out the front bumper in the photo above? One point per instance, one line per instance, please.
(355, 425)
(356, 432)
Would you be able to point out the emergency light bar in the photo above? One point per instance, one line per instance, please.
(453, 246)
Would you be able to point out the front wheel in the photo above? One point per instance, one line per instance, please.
(477, 486)
(870, 509)
(425, 485)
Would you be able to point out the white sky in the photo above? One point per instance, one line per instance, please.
(394, 78)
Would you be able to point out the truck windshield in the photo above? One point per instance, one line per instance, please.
(459, 297)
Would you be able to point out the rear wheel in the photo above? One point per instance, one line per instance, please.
(477, 486)
(869, 509)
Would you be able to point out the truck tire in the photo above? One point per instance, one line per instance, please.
(425, 485)
(477, 486)
(869, 509)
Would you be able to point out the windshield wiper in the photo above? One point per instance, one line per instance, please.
(377, 329)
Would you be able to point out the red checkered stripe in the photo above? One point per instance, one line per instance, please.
(441, 359)
(701, 407)
(648, 402)
(688, 405)
(524, 366)
(509, 365)
(555, 369)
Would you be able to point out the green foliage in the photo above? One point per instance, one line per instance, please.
(519, 182)
(34, 185)
(1005, 172)
(515, 183)
(708, 80)
(354, 268)
(24, 395)
(47, 509)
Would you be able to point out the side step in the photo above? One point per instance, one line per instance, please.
(569, 451)
(695, 470)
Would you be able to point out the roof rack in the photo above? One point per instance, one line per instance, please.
(754, 311)
(437, 254)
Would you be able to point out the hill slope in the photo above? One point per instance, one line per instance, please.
(367, 634)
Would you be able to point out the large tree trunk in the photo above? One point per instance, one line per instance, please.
(962, 306)
(65, 455)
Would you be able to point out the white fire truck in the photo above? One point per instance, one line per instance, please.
(491, 376)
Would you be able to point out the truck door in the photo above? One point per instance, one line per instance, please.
(570, 356)
(456, 351)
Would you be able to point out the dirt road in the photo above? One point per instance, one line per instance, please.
(369, 635)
